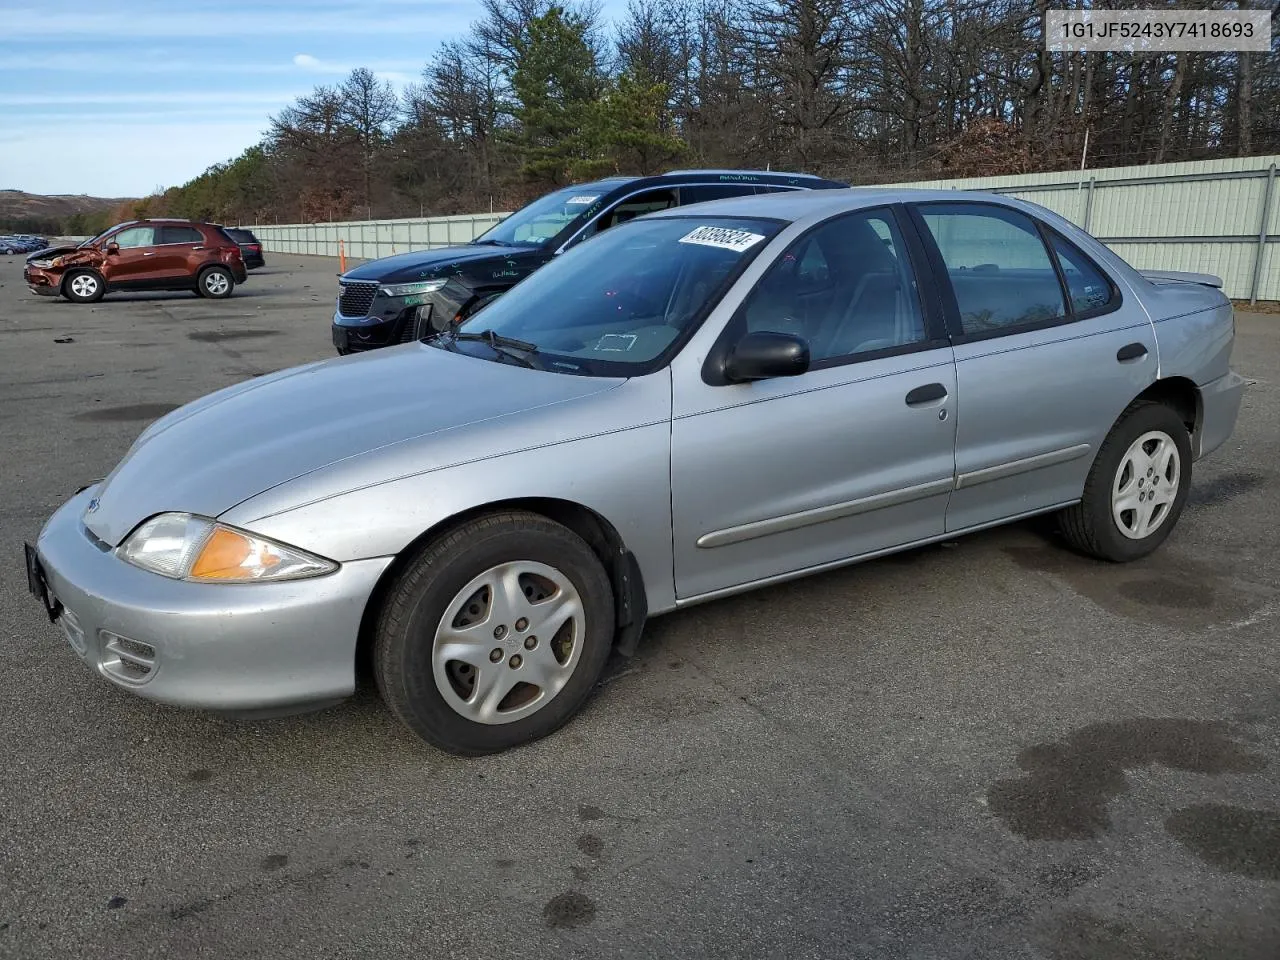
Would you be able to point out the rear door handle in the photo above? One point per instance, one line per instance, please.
(926, 394)
(1131, 352)
(148, 253)
(199, 248)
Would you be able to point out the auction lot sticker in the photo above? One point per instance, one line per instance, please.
(723, 237)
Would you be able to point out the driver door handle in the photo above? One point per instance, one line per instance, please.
(148, 253)
(926, 394)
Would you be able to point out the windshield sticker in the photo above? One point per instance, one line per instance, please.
(591, 199)
(724, 238)
(617, 342)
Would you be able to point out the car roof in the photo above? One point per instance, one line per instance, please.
(800, 204)
(780, 177)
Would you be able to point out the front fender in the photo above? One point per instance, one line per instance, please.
(621, 474)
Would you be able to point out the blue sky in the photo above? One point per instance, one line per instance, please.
(119, 97)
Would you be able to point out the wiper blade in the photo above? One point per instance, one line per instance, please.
(495, 339)
(491, 243)
(503, 345)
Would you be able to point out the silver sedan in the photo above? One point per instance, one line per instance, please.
(693, 404)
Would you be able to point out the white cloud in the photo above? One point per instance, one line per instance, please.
(192, 97)
(430, 21)
(393, 71)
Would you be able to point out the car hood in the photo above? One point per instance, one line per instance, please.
(425, 264)
(49, 252)
(218, 451)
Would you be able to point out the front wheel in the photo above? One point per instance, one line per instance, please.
(83, 286)
(495, 634)
(216, 283)
(1136, 488)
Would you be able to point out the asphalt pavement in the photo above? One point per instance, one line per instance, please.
(984, 749)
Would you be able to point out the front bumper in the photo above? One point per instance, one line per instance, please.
(234, 647)
(40, 281)
(1220, 407)
(354, 334)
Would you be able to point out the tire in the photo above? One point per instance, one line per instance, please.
(1108, 523)
(83, 286)
(215, 283)
(450, 598)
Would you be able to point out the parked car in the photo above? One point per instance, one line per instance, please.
(703, 401)
(250, 247)
(140, 255)
(405, 297)
(9, 246)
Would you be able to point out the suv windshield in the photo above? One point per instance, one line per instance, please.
(544, 218)
(93, 240)
(620, 304)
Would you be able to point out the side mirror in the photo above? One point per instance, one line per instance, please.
(764, 354)
(113, 248)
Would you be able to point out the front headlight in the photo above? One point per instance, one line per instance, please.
(183, 546)
(410, 289)
(47, 264)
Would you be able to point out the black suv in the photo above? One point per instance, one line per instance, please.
(250, 246)
(408, 296)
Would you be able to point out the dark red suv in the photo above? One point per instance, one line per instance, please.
(140, 255)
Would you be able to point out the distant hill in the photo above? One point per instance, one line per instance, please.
(57, 213)
(18, 203)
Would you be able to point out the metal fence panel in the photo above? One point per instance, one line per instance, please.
(1204, 216)
(1212, 216)
(367, 240)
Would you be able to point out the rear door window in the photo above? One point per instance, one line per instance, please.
(180, 235)
(1000, 271)
(1087, 286)
(701, 193)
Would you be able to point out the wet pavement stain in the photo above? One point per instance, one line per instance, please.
(200, 776)
(1167, 592)
(1164, 588)
(1068, 785)
(220, 336)
(568, 910)
(274, 861)
(1231, 838)
(588, 812)
(134, 411)
(1223, 488)
(591, 845)
(115, 903)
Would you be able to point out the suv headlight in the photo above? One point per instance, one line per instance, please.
(183, 546)
(410, 289)
(47, 264)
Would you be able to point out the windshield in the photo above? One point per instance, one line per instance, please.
(92, 240)
(622, 303)
(540, 221)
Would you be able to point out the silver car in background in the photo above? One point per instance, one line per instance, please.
(693, 404)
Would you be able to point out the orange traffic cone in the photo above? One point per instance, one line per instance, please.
(342, 258)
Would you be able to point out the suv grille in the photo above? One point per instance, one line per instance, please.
(357, 297)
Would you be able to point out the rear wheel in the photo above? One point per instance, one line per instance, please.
(83, 286)
(1137, 487)
(216, 283)
(495, 634)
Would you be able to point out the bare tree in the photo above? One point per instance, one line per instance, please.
(368, 107)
